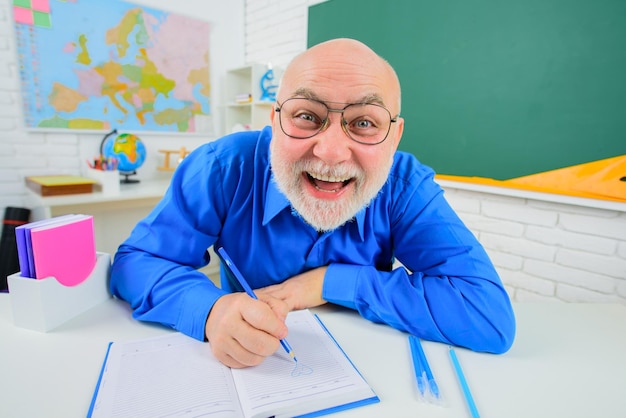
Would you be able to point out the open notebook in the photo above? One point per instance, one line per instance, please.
(175, 375)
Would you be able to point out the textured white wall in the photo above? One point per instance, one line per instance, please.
(276, 30)
(549, 251)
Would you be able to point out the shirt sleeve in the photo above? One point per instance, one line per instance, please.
(446, 290)
(155, 269)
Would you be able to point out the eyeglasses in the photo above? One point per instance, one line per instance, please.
(365, 123)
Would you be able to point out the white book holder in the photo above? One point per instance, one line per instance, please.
(44, 304)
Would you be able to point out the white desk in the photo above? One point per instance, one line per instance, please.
(568, 361)
(114, 214)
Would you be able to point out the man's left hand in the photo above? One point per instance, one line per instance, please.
(299, 292)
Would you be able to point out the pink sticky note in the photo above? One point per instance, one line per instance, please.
(22, 15)
(40, 5)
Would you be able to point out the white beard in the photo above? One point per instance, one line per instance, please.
(326, 215)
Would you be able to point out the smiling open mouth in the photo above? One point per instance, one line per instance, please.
(328, 184)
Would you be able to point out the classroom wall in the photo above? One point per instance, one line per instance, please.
(276, 30)
(543, 250)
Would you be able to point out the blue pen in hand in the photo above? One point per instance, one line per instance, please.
(232, 268)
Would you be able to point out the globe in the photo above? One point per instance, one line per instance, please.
(129, 151)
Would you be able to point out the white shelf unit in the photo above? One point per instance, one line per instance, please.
(243, 81)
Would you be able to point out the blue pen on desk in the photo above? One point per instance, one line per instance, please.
(232, 268)
(466, 390)
(420, 373)
(423, 373)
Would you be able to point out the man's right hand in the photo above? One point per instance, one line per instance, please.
(243, 331)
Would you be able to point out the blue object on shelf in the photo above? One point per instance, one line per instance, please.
(268, 88)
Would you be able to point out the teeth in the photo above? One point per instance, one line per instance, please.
(327, 178)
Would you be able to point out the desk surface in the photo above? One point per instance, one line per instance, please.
(568, 361)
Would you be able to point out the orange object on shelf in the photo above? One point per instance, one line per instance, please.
(602, 179)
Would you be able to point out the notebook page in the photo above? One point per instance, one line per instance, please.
(322, 378)
(173, 375)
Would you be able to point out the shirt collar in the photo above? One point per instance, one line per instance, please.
(276, 202)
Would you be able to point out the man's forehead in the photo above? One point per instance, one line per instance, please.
(341, 79)
(361, 98)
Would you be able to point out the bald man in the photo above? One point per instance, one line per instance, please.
(314, 209)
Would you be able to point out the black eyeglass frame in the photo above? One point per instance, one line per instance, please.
(344, 122)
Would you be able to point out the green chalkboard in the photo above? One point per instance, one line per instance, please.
(497, 88)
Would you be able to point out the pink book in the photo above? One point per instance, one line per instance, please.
(65, 250)
(25, 249)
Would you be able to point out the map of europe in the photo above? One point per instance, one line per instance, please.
(109, 64)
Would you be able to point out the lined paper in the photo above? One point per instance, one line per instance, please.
(173, 375)
(273, 383)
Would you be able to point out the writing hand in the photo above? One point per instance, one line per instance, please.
(243, 331)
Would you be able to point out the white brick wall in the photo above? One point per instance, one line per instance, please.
(10, 186)
(549, 251)
(276, 30)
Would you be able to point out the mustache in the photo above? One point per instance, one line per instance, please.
(343, 170)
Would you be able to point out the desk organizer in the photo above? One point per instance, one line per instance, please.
(44, 304)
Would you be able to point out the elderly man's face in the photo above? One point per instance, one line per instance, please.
(329, 177)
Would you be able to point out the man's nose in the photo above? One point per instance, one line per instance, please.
(332, 144)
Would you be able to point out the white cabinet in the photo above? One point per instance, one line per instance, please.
(246, 106)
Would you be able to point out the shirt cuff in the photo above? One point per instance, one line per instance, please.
(340, 284)
(196, 305)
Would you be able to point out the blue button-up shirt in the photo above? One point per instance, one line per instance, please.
(223, 194)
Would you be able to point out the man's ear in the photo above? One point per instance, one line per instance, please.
(272, 114)
(397, 133)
